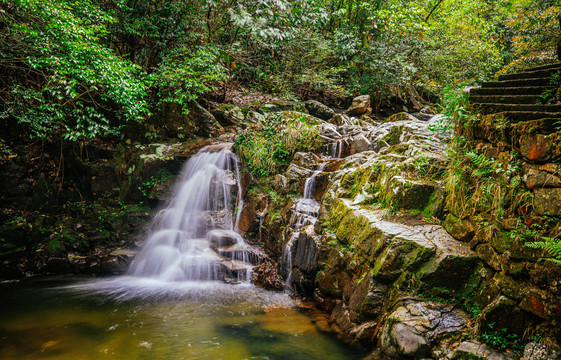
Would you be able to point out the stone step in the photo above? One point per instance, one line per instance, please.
(517, 116)
(537, 74)
(516, 83)
(504, 99)
(556, 65)
(489, 108)
(522, 90)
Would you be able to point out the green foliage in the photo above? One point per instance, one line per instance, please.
(552, 95)
(184, 74)
(147, 187)
(551, 245)
(268, 146)
(502, 340)
(534, 29)
(59, 77)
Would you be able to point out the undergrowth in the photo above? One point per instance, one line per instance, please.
(266, 147)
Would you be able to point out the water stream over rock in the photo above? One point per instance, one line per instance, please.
(193, 238)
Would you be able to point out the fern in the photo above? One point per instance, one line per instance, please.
(484, 166)
(551, 245)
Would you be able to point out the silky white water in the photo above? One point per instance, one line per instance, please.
(193, 238)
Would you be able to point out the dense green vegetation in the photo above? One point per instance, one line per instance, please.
(82, 68)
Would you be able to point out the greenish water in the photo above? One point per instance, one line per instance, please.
(124, 318)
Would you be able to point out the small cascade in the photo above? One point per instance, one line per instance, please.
(194, 238)
(310, 182)
(335, 149)
(304, 212)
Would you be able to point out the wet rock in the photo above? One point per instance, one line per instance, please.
(253, 117)
(113, 265)
(297, 174)
(402, 116)
(319, 110)
(232, 269)
(408, 331)
(360, 106)
(395, 136)
(305, 250)
(15, 183)
(489, 256)
(229, 117)
(220, 238)
(280, 182)
(537, 351)
(460, 229)
(248, 218)
(306, 160)
(367, 299)
(423, 116)
(267, 277)
(474, 350)
(547, 201)
(359, 144)
(329, 130)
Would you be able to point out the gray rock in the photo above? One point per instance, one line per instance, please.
(474, 350)
(537, 351)
(319, 110)
(409, 329)
(359, 144)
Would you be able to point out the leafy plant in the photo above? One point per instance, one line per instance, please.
(502, 340)
(551, 245)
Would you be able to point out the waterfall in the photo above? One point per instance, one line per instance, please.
(194, 237)
(310, 182)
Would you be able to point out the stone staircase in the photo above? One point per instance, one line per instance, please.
(517, 96)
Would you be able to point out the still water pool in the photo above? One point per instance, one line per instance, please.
(131, 318)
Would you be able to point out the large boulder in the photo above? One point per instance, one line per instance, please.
(360, 106)
(408, 331)
(319, 110)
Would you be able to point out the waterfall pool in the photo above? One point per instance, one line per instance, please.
(135, 318)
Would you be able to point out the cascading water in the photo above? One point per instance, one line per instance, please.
(305, 213)
(194, 237)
